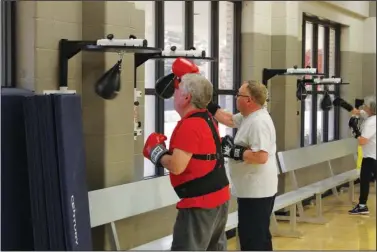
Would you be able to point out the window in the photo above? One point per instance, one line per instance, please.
(308, 120)
(202, 34)
(149, 127)
(8, 45)
(319, 119)
(308, 100)
(331, 134)
(174, 36)
(149, 79)
(331, 113)
(226, 46)
(226, 102)
(149, 65)
(212, 26)
(321, 50)
(226, 70)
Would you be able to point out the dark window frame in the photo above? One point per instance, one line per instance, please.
(327, 24)
(189, 40)
(8, 43)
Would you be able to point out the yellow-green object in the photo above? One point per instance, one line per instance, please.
(359, 157)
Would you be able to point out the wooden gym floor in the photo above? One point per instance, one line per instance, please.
(342, 232)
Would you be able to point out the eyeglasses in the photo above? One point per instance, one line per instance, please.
(239, 95)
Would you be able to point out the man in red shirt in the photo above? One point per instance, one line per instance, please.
(195, 162)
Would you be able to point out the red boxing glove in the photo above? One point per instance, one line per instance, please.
(181, 67)
(155, 148)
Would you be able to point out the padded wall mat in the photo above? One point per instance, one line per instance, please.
(49, 158)
(38, 198)
(16, 224)
(72, 171)
(45, 202)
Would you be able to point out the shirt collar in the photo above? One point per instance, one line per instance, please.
(193, 112)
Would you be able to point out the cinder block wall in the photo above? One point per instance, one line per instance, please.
(271, 37)
(369, 57)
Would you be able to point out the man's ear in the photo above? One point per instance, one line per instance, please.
(188, 98)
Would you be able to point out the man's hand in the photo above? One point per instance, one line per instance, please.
(212, 108)
(220, 115)
(230, 150)
(155, 148)
(355, 112)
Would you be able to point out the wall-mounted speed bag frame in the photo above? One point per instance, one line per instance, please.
(326, 103)
(109, 84)
(269, 73)
(172, 53)
(69, 48)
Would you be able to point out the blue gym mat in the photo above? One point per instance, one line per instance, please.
(72, 171)
(38, 193)
(50, 170)
(16, 224)
(45, 203)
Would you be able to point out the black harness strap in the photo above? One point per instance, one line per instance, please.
(206, 156)
(213, 181)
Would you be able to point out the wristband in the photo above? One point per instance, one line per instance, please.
(212, 108)
(157, 153)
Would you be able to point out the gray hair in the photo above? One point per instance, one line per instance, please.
(200, 89)
(370, 102)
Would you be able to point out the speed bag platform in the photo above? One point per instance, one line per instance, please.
(16, 224)
(55, 142)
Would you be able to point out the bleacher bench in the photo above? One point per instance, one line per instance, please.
(119, 202)
(293, 160)
(111, 204)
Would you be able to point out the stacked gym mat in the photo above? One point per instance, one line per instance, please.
(58, 196)
(16, 224)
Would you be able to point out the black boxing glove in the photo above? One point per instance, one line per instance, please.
(342, 103)
(356, 132)
(230, 150)
(358, 103)
(353, 122)
(212, 108)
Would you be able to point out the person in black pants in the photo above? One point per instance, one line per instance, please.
(255, 212)
(367, 139)
(253, 166)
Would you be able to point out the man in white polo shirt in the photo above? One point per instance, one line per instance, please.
(253, 166)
